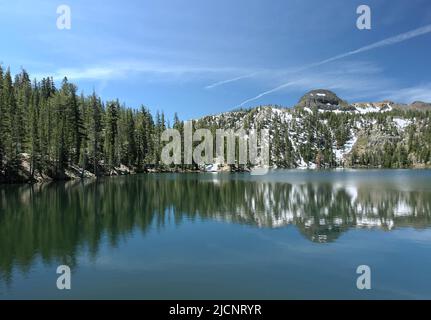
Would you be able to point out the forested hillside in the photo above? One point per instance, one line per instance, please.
(323, 131)
(59, 133)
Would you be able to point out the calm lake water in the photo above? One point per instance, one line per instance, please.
(285, 235)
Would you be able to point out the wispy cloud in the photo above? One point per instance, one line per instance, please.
(111, 70)
(219, 83)
(383, 43)
(408, 95)
(353, 79)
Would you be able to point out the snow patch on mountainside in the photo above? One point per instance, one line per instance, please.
(401, 123)
(371, 108)
(340, 154)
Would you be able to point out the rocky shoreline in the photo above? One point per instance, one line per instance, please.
(24, 175)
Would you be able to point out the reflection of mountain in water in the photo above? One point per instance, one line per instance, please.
(55, 221)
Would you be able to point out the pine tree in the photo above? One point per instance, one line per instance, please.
(34, 139)
(75, 123)
(94, 129)
(131, 140)
(111, 134)
(2, 124)
(8, 115)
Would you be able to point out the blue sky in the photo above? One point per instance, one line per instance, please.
(203, 57)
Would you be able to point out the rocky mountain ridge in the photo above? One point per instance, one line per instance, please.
(323, 130)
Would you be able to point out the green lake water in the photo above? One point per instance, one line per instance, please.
(289, 234)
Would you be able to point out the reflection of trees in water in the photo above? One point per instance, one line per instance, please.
(56, 221)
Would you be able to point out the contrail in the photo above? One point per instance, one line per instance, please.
(229, 80)
(383, 43)
(268, 92)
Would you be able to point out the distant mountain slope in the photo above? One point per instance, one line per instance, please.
(323, 130)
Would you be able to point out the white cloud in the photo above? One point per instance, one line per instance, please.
(383, 43)
(408, 95)
(353, 79)
(125, 68)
